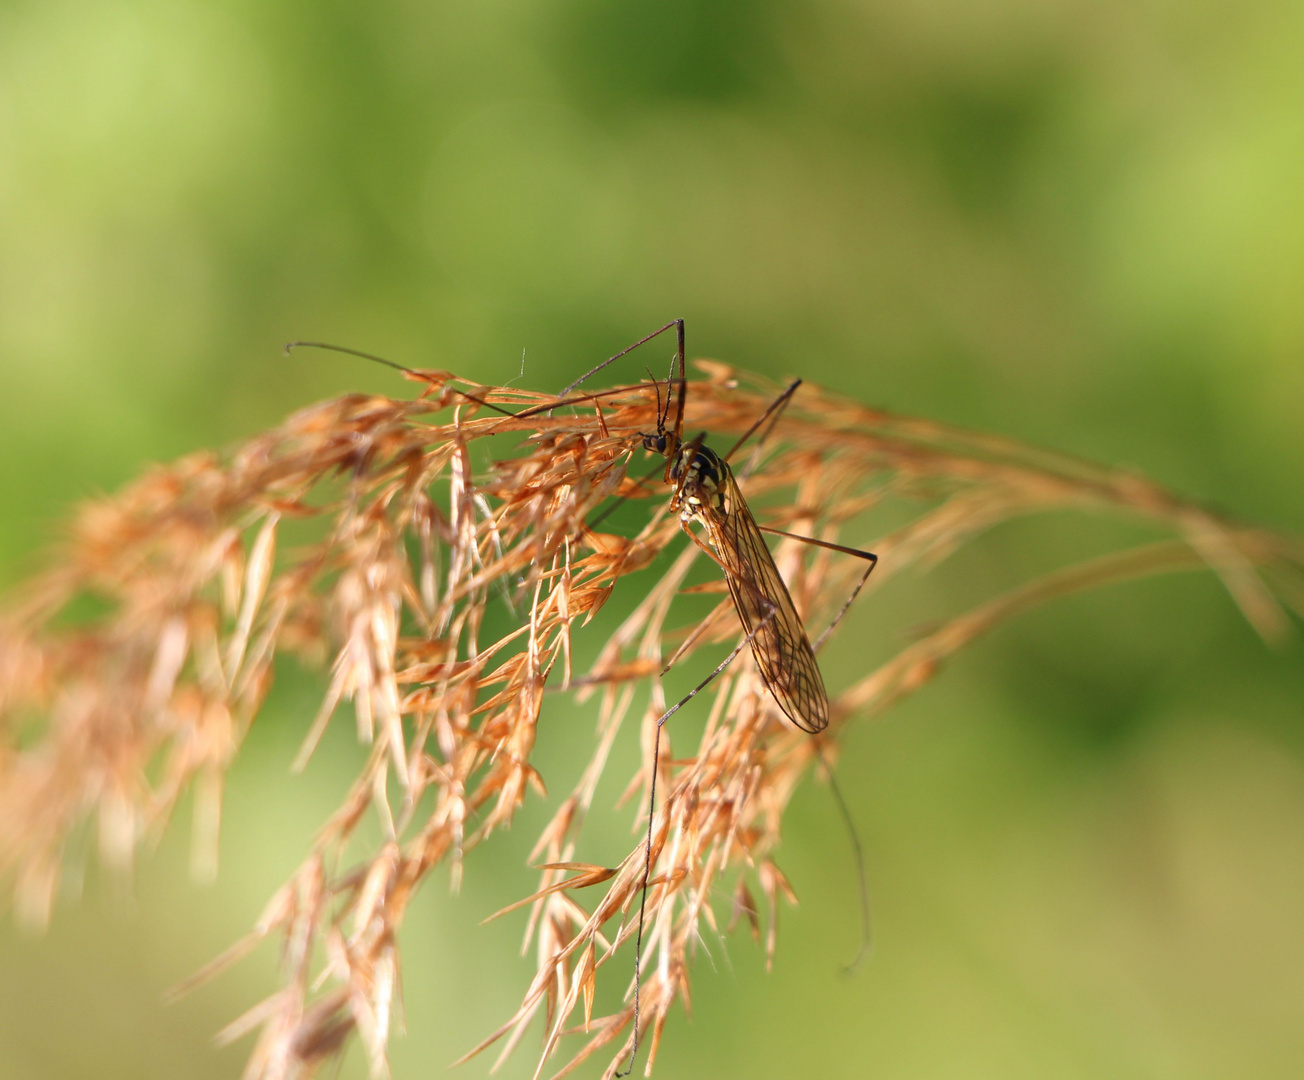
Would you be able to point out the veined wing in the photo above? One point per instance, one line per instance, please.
(779, 643)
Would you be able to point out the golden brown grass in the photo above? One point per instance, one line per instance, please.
(112, 717)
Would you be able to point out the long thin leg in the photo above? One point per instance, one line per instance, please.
(873, 562)
(651, 818)
(290, 346)
(694, 637)
(866, 924)
(679, 323)
(776, 406)
(846, 604)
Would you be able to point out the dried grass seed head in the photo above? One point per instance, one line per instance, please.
(400, 544)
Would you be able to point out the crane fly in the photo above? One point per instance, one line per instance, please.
(706, 493)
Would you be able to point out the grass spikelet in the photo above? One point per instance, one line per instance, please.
(108, 720)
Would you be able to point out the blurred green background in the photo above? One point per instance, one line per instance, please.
(1076, 223)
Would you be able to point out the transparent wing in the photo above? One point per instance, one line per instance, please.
(780, 645)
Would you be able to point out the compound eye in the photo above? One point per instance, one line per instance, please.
(655, 443)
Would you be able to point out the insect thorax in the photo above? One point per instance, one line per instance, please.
(699, 475)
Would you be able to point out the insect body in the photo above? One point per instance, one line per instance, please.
(707, 493)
